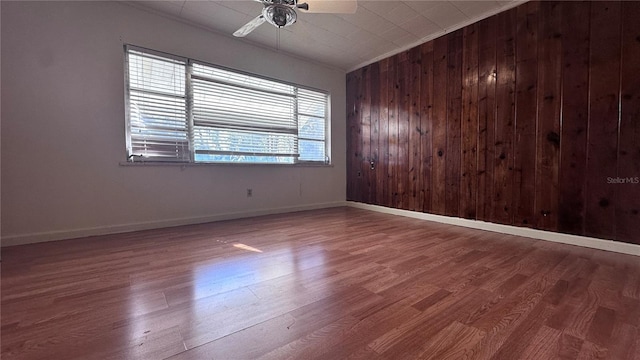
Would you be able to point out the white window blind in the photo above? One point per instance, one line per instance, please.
(157, 108)
(184, 110)
(312, 112)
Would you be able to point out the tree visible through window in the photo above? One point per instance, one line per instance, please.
(183, 110)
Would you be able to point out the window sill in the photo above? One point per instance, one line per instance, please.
(179, 164)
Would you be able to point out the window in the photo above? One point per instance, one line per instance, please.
(182, 110)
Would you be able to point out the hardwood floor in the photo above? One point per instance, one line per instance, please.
(327, 284)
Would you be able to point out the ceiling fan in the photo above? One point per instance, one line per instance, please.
(281, 13)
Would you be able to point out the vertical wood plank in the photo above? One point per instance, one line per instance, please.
(355, 141)
(575, 113)
(628, 194)
(439, 125)
(603, 118)
(359, 153)
(393, 133)
(548, 135)
(350, 104)
(486, 115)
(526, 109)
(454, 113)
(383, 163)
(404, 95)
(505, 114)
(374, 101)
(365, 126)
(469, 175)
(415, 181)
(426, 118)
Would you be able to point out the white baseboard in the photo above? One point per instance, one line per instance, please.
(32, 238)
(608, 245)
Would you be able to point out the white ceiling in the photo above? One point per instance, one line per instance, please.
(347, 41)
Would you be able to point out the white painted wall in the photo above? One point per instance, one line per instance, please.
(63, 133)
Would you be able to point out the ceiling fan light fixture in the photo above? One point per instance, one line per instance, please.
(279, 15)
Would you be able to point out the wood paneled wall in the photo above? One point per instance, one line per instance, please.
(529, 118)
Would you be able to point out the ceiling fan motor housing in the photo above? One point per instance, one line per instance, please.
(279, 15)
(279, 2)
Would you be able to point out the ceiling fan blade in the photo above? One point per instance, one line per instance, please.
(330, 6)
(249, 27)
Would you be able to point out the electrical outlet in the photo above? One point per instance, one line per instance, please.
(249, 192)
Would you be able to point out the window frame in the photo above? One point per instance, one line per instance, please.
(132, 159)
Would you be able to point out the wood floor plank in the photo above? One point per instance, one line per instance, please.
(408, 340)
(314, 344)
(325, 284)
(592, 351)
(432, 299)
(352, 340)
(544, 345)
(557, 292)
(512, 283)
(602, 326)
(625, 344)
(452, 342)
(632, 286)
(507, 316)
(575, 317)
(569, 347)
(514, 347)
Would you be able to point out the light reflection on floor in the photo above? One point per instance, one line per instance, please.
(252, 267)
(240, 270)
(246, 247)
(225, 287)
